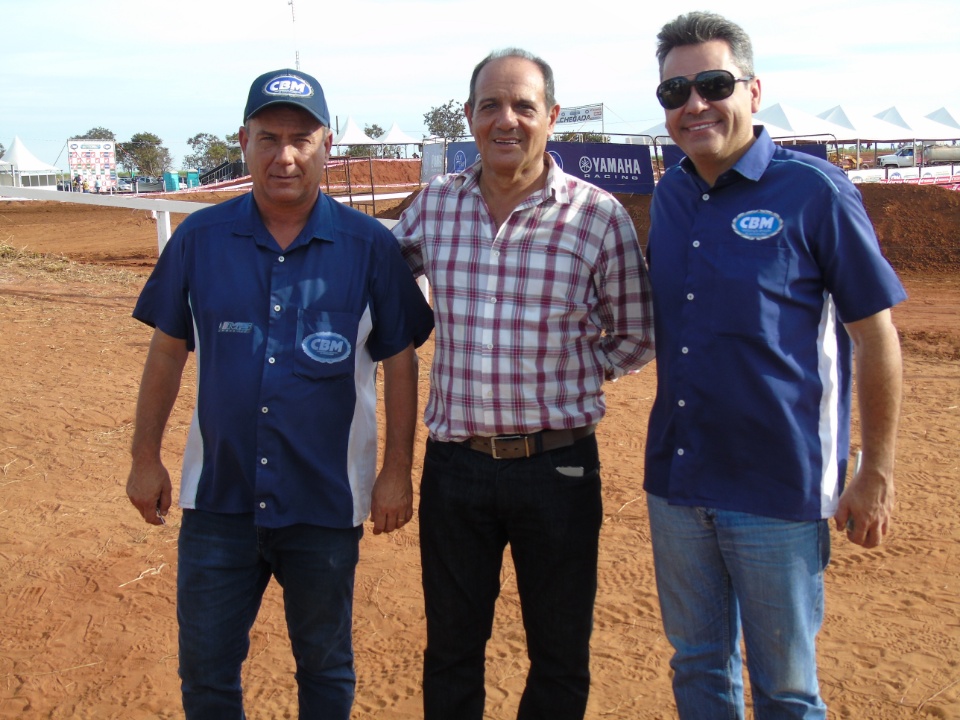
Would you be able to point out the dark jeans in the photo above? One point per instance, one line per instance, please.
(225, 563)
(471, 506)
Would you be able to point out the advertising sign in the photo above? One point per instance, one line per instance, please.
(615, 168)
(582, 114)
(95, 162)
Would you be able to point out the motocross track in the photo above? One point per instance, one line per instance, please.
(87, 590)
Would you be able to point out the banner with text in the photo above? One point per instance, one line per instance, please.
(582, 114)
(615, 168)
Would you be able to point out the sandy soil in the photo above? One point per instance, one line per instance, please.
(87, 589)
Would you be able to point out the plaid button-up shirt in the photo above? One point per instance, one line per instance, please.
(533, 315)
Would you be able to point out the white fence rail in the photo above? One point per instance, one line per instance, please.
(161, 209)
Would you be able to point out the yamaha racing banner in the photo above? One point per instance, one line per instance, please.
(615, 168)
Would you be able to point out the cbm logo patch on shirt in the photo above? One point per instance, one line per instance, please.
(757, 224)
(327, 347)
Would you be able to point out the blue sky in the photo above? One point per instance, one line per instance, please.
(180, 67)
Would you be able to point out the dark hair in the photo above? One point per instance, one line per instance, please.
(545, 70)
(695, 28)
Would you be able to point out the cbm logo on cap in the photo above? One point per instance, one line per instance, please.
(288, 86)
(757, 224)
(326, 347)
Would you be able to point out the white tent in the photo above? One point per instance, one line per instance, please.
(353, 135)
(798, 123)
(31, 170)
(919, 128)
(864, 127)
(396, 136)
(943, 117)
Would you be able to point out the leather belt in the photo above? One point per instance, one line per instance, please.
(511, 447)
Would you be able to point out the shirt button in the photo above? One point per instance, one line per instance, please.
(263, 461)
(264, 410)
(689, 297)
(696, 243)
(680, 451)
(276, 308)
(489, 346)
(684, 350)
(281, 258)
(263, 506)
(272, 360)
(496, 253)
(682, 403)
(705, 196)
(493, 300)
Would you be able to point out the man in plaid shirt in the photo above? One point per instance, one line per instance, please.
(540, 292)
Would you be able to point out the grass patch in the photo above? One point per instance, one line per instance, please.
(59, 268)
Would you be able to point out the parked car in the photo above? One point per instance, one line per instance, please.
(124, 185)
(148, 183)
(902, 158)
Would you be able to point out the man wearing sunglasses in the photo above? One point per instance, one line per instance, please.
(769, 290)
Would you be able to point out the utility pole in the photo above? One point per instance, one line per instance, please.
(293, 20)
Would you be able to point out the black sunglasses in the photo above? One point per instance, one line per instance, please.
(712, 85)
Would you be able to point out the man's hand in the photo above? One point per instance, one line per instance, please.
(150, 491)
(866, 507)
(392, 502)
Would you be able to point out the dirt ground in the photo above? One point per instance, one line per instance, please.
(87, 589)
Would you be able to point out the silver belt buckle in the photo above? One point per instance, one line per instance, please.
(493, 444)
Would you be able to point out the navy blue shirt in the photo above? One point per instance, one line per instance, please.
(752, 280)
(287, 343)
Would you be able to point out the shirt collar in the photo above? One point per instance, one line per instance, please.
(319, 225)
(555, 187)
(751, 165)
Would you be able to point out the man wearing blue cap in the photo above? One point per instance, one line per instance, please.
(290, 300)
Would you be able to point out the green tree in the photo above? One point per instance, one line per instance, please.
(233, 146)
(145, 153)
(2, 149)
(97, 133)
(446, 121)
(582, 137)
(209, 151)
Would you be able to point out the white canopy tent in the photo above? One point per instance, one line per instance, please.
(861, 127)
(353, 135)
(797, 123)
(29, 170)
(944, 117)
(396, 136)
(919, 128)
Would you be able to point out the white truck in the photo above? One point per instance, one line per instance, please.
(902, 158)
(936, 154)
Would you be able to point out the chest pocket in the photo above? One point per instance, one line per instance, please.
(749, 283)
(326, 343)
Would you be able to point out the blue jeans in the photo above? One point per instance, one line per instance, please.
(717, 570)
(471, 506)
(225, 563)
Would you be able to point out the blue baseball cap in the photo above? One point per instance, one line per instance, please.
(287, 87)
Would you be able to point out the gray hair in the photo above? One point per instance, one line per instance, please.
(545, 70)
(695, 28)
